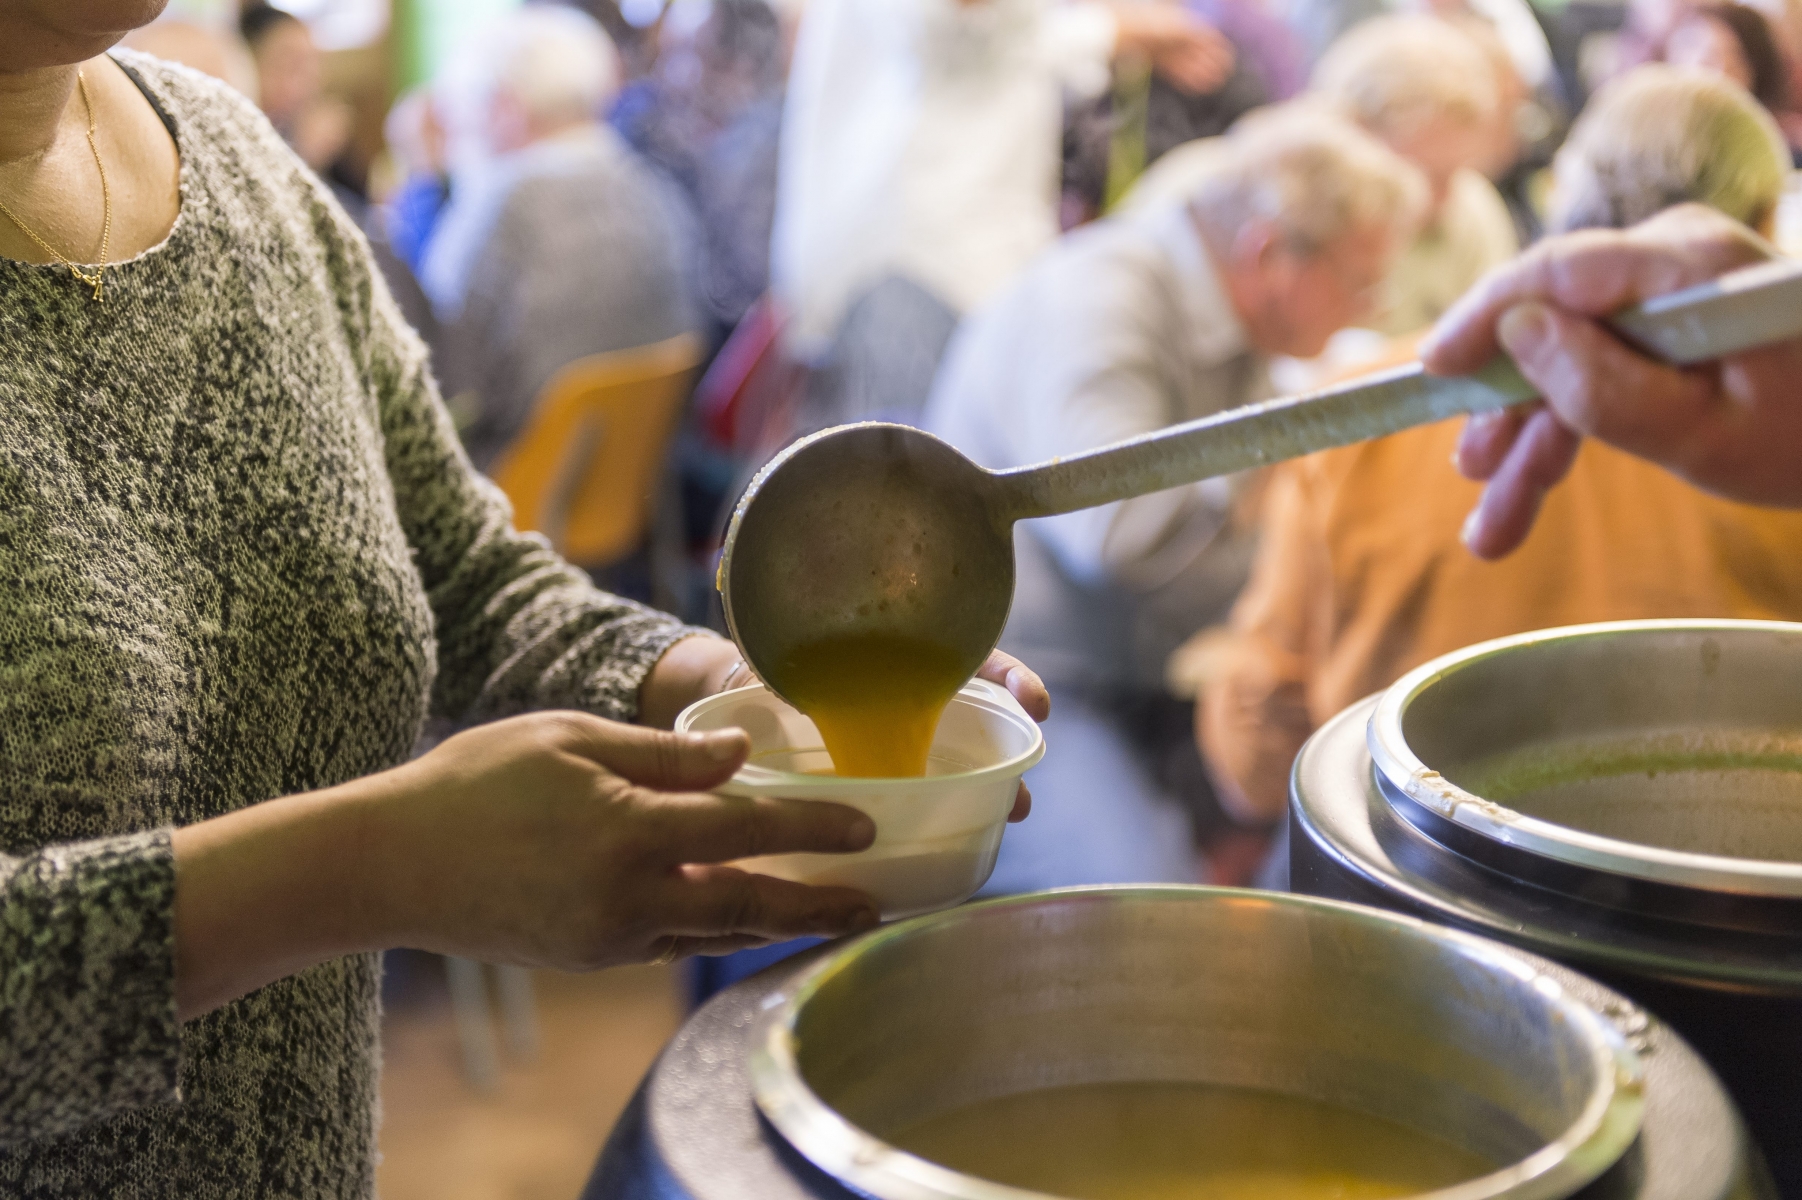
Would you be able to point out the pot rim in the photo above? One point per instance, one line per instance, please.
(1601, 1133)
(1403, 768)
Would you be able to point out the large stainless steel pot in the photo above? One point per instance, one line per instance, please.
(1626, 798)
(1661, 757)
(1398, 1018)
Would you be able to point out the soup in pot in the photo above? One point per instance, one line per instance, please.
(1186, 1141)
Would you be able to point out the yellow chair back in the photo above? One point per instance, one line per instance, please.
(586, 469)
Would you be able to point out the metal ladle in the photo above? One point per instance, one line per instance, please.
(876, 528)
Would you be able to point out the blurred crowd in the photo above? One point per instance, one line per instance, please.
(649, 253)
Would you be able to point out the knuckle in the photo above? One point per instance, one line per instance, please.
(644, 818)
(550, 736)
(1594, 409)
(744, 904)
(751, 828)
(561, 727)
(666, 756)
(611, 799)
(646, 828)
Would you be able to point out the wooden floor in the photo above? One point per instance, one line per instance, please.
(536, 1136)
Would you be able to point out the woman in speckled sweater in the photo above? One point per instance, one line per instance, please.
(242, 559)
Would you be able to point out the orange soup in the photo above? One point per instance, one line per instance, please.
(876, 699)
(1186, 1141)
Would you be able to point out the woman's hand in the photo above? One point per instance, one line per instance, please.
(579, 843)
(1733, 427)
(553, 840)
(698, 667)
(1029, 690)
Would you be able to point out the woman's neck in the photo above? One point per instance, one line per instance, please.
(33, 106)
(49, 176)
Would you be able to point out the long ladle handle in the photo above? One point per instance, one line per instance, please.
(1751, 307)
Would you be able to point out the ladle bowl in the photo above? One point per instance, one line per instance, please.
(883, 529)
(867, 527)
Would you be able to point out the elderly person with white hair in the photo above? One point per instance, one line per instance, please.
(1431, 93)
(1125, 327)
(1659, 136)
(559, 242)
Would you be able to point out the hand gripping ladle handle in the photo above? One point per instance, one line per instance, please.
(1750, 307)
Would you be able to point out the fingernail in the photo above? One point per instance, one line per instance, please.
(1469, 530)
(1524, 331)
(720, 747)
(860, 832)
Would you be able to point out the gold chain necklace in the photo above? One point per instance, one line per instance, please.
(93, 278)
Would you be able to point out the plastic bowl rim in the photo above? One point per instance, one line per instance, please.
(752, 779)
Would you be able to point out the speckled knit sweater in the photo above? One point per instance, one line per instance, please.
(241, 556)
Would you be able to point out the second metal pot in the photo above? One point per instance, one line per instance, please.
(1654, 766)
(1625, 798)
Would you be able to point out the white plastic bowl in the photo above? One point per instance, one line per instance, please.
(936, 836)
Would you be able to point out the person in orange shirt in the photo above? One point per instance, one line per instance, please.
(1362, 575)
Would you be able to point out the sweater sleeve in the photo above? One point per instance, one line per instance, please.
(517, 627)
(87, 983)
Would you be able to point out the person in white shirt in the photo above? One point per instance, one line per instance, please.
(920, 142)
(1127, 326)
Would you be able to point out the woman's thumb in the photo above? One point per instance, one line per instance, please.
(669, 762)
